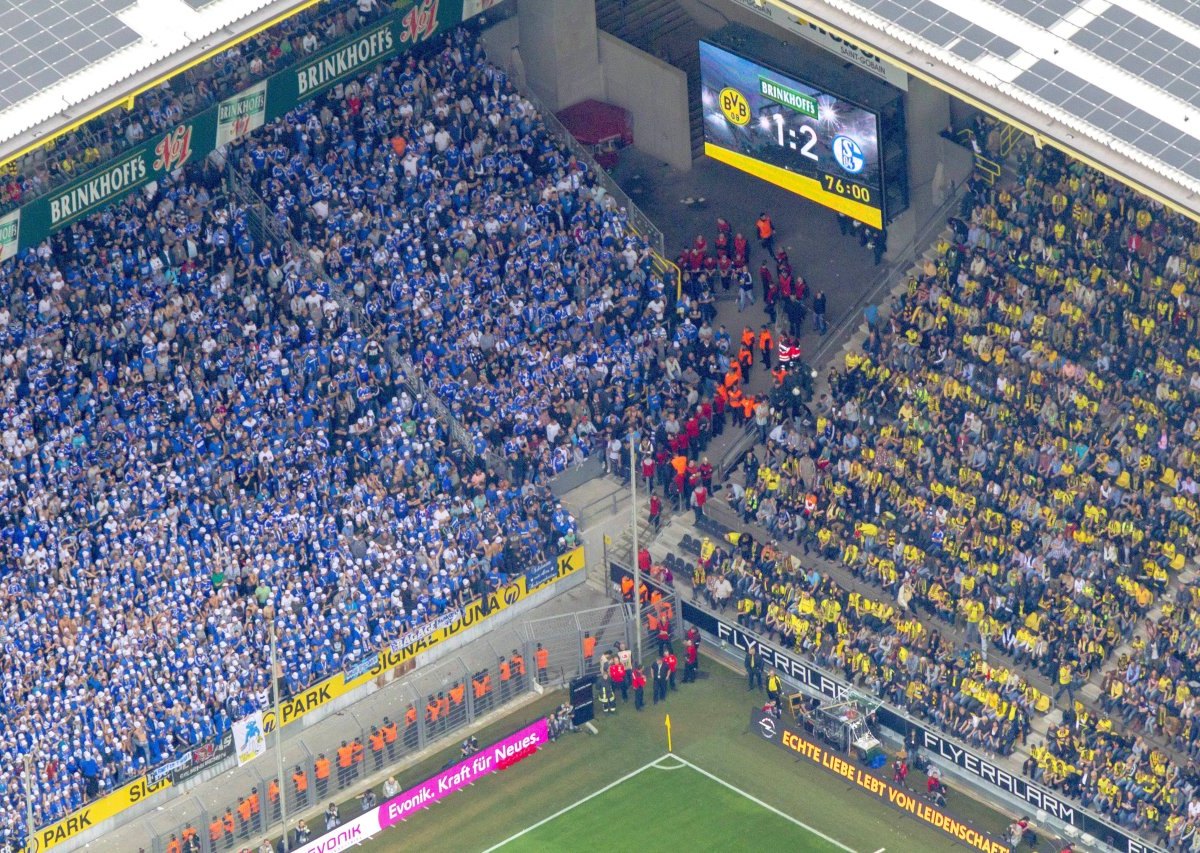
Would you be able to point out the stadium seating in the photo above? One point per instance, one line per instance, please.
(873, 643)
(1013, 451)
(468, 237)
(201, 437)
(115, 131)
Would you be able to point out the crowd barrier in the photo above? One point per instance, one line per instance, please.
(551, 652)
(430, 706)
(496, 756)
(203, 758)
(986, 773)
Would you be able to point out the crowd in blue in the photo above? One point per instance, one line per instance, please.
(253, 60)
(204, 433)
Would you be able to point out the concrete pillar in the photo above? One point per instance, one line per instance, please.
(559, 51)
(934, 163)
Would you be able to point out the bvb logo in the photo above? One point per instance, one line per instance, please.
(734, 106)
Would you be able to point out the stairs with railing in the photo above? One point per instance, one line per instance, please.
(664, 29)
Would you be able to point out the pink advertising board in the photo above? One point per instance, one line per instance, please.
(454, 778)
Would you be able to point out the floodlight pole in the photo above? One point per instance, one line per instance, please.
(30, 831)
(637, 568)
(278, 742)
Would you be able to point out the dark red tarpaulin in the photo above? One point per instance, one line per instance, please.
(597, 123)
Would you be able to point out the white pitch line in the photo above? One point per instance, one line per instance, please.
(590, 796)
(880, 850)
(767, 806)
(683, 763)
(658, 766)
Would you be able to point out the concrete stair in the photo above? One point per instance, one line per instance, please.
(663, 29)
(602, 508)
(854, 341)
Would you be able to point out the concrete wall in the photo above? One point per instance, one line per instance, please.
(500, 44)
(559, 51)
(934, 163)
(656, 95)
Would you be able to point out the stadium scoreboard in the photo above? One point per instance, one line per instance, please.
(812, 140)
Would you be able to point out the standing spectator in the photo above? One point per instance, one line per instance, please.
(616, 674)
(753, 665)
(608, 698)
(638, 683)
(745, 290)
(699, 498)
(819, 312)
(691, 658)
(661, 674)
(367, 801)
(766, 233)
(542, 658)
(656, 512)
(766, 344)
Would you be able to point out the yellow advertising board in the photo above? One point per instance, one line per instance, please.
(97, 812)
(327, 691)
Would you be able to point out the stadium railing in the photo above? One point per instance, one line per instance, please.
(562, 639)
(987, 168)
(314, 702)
(639, 223)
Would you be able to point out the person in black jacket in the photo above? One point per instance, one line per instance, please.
(754, 668)
(662, 672)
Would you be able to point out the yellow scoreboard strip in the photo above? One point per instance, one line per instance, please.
(801, 185)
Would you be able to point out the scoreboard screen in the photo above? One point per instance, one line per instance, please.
(785, 131)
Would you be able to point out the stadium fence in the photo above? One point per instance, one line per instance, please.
(404, 700)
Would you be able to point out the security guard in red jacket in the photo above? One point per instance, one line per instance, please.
(639, 687)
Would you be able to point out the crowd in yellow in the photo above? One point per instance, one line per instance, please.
(1014, 450)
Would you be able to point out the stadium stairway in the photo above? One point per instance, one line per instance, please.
(854, 341)
(662, 28)
(601, 508)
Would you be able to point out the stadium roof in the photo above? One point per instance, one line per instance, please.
(64, 61)
(1115, 82)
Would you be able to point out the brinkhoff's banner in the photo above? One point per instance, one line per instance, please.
(907, 801)
(196, 137)
(945, 748)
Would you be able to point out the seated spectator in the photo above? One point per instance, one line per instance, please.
(1010, 451)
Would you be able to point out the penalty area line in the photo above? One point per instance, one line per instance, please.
(767, 806)
(577, 803)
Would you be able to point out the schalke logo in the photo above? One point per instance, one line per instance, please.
(848, 154)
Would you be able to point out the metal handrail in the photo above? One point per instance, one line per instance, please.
(639, 223)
